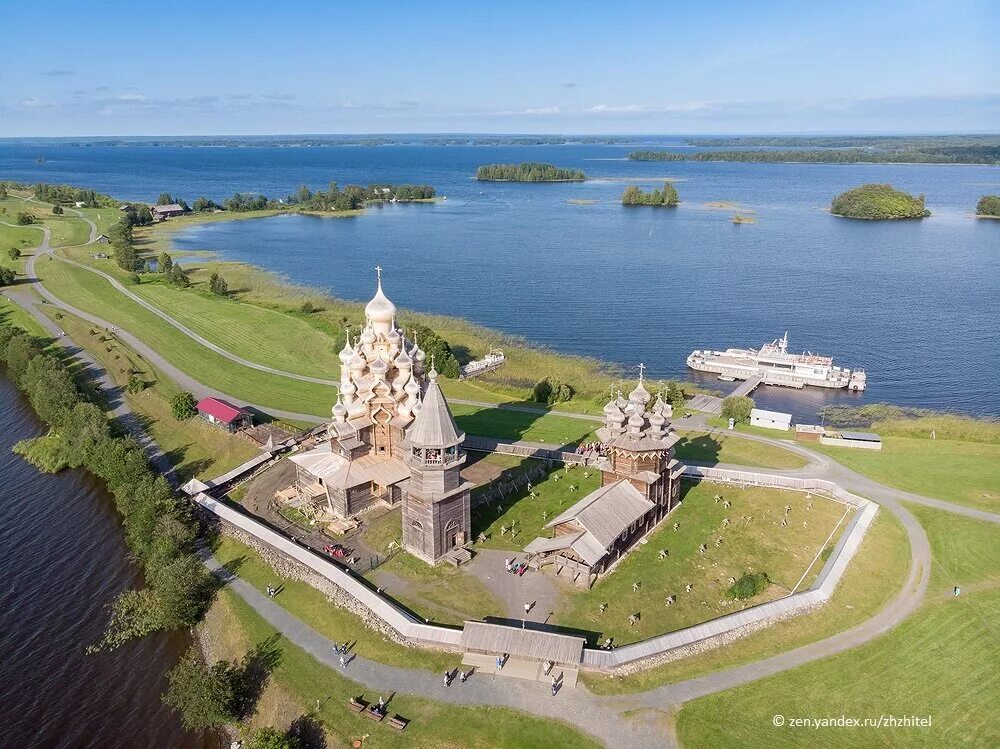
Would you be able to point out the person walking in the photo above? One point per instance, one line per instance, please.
(527, 608)
(343, 662)
(462, 676)
(336, 649)
(447, 680)
(554, 686)
(499, 663)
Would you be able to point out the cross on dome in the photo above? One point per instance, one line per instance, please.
(642, 368)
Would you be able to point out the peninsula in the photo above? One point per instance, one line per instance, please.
(528, 171)
(878, 203)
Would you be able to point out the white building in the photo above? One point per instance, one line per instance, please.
(770, 419)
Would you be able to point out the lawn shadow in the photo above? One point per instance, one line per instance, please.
(703, 448)
(253, 673)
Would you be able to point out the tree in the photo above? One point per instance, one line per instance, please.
(217, 284)
(142, 216)
(737, 407)
(164, 264)
(202, 694)
(203, 205)
(13, 253)
(7, 276)
(988, 205)
(134, 385)
(551, 391)
(165, 199)
(57, 210)
(182, 405)
(179, 276)
(25, 219)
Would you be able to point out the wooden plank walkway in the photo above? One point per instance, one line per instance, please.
(711, 404)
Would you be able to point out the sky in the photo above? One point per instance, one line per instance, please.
(126, 68)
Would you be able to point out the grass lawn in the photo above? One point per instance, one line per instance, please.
(299, 682)
(518, 425)
(95, 295)
(711, 448)
(760, 545)
(442, 594)
(874, 576)
(528, 515)
(15, 315)
(967, 473)
(261, 335)
(943, 662)
(67, 229)
(312, 607)
(196, 449)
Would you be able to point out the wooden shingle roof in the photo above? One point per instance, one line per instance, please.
(524, 643)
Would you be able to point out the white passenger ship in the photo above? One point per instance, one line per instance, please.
(775, 366)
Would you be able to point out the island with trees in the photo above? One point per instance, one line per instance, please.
(988, 207)
(878, 203)
(528, 171)
(668, 197)
(656, 156)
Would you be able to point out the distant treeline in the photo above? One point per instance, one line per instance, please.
(528, 171)
(159, 528)
(890, 142)
(978, 154)
(666, 197)
(278, 142)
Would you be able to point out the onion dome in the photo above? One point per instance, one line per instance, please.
(367, 337)
(339, 411)
(357, 362)
(420, 356)
(348, 389)
(412, 387)
(380, 309)
(656, 423)
(640, 395)
(620, 401)
(393, 336)
(379, 367)
(403, 360)
(610, 408)
(416, 408)
(347, 352)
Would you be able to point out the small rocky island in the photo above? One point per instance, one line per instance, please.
(668, 197)
(878, 203)
(988, 206)
(528, 171)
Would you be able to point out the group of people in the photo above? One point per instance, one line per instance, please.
(341, 650)
(271, 591)
(591, 449)
(463, 676)
(608, 644)
(515, 567)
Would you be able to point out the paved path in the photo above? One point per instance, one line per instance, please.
(597, 716)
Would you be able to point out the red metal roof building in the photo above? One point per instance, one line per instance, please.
(226, 415)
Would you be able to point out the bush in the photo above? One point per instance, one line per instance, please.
(749, 585)
(7, 276)
(271, 738)
(307, 308)
(13, 253)
(179, 276)
(737, 407)
(182, 405)
(24, 218)
(551, 391)
(57, 210)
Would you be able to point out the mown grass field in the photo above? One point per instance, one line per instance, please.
(96, 296)
(712, 448)
(943, 661)
(758, 545)
(14, 314)
(874, 576)
(196, 448)
(967, 473)
(301, 686)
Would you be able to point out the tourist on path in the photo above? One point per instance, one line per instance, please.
(447, 678)
(343, 662)
(462, 676)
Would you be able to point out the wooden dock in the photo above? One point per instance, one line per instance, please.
(710, 404)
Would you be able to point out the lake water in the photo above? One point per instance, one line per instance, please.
(63, 560)
(914, 303)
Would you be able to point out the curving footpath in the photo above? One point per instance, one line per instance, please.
(600, 716)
